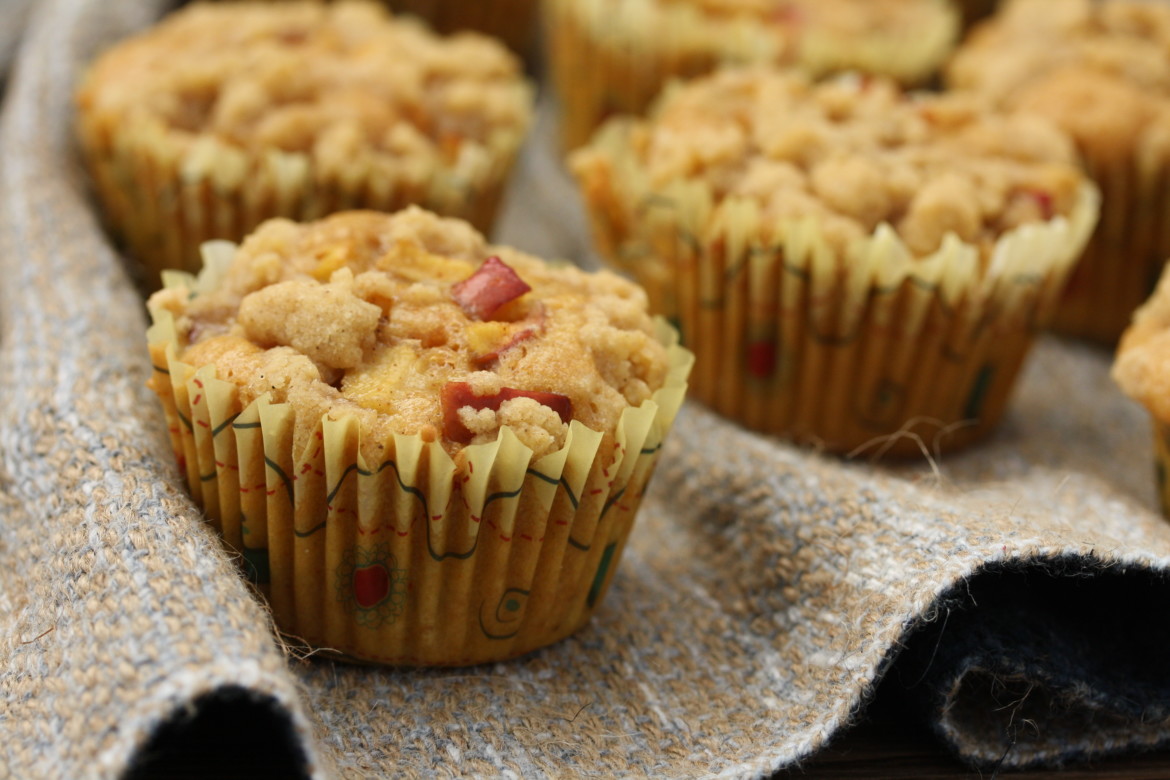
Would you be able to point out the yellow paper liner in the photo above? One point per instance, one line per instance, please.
(1125, 255)
(164, 195)
(608, 58)
(876, 352)
(413, 560)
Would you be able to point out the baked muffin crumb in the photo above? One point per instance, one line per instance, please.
(386, 337)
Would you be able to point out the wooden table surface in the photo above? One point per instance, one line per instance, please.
(213, 745)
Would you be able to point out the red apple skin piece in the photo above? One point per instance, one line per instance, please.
(491, 286)
(1044, 201)
(456, 395)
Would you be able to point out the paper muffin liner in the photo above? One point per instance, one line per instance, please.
(416, 559)
(1125, 255)
(610, 58)
(875, 352)
(164, 195)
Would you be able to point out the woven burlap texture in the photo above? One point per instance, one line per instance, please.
(764, 592)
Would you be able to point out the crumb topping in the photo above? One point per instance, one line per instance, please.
(357, 313)
(343, 83)
(905, 39)
(851, 153)
(1101, 70)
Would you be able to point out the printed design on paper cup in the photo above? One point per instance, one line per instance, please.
(504, 621)
(370, 584)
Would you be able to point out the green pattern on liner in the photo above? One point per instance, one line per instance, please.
(216, 431)
(975, 401)
(602, 570)
(562, 482)
(283, 478)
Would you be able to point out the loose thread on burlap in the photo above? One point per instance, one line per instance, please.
(1009, 732)
(932, 454)
(41, 635)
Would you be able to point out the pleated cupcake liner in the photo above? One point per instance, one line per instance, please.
(608, 58)
(1125, 254)
(870, 352)
(411, 557)
(164, 196)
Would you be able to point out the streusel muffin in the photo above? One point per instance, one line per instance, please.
(852, 266)
(226, 114)
(613, 56)
(428, 450)
(1101, 71)
(1142, 369)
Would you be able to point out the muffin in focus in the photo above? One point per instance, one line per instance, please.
(853, 267)
(227, 114)
(1142, 369)
(427, 450)
(1101, 71)
(613, 56)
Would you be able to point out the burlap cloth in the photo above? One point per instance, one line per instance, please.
(1018, 592)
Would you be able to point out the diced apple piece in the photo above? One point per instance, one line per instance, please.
(389, 368)
(491, 286)
(486, 340)
(457, 395)
(486, 337)
(410, 261)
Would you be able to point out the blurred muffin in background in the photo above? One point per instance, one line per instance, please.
(227, 114)
(1101, 71)
(613, 56)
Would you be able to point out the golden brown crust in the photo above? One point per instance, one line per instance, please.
(851, 153)
(341, 83)
(355, 313)
(1099, 69)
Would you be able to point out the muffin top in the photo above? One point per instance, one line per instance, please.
(1101, 70)
(1142, 365)
(906, 39)
(417, 326)
(850, 154)
(344, 83)
(854, 16)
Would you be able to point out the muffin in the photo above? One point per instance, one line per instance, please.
(426, 450)
(852, 266)
(613, 56)
(1101, 71)
(227, 114)
(1142, 370)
